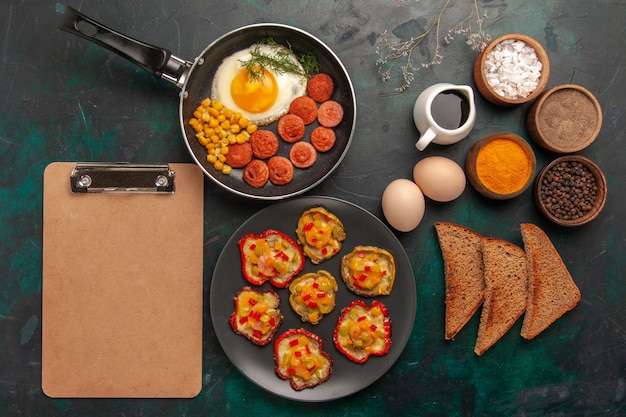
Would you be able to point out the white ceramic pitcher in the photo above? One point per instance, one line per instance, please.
(429, 130)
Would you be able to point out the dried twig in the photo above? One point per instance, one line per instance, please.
(392, 52)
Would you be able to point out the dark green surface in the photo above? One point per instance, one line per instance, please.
(63, 99)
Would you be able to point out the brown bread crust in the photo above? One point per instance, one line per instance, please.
(506, 280)
(461, 248)
(551, 291)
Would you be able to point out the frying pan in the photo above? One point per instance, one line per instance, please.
(195, 79)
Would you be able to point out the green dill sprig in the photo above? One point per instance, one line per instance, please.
(280, 61)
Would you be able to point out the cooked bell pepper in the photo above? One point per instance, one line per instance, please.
(312, 295)
(300, 358)
(369, 271)
(271, 256)
(320, 233)
(256, 316)
(363, 331)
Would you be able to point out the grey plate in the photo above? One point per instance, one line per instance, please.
(256, 362)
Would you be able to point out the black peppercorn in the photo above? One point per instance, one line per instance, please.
(568, 190)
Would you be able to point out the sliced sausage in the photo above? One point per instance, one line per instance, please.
(256, 173)
(304, 107)
(280, 170)
(264, 143)
(302, 154)
(239, 155)
(320, 87)
(330, 113)
(290, 128)
(323, 138)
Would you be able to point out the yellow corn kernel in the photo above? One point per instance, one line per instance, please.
(213, 111)
(221, 158)
(222, 134)
(203, 141)
(241, 138)
(232, 139)
(213, 123)
(206, 102)
(217, 105)
(251, 128)
(197, 114)
(218, 165)
(225, 125)
(227, 112)
(224, 150)
(211, 159)
(215, 139)
(197, 126)
(226, 169)
(234, 128)
(209, 131)
(221, 118)
(210, 147)
(243, 122)
(224, 141)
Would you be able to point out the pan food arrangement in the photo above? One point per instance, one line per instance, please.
(196, 80)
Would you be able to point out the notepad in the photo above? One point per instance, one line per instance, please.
(122, 286)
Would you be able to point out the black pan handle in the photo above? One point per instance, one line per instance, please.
(155, 60)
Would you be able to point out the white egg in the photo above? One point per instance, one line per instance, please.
(403, 205)
(262, 101)
(440, 179)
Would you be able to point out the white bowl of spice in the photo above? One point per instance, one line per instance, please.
(571, 190)
(500, 165)
(512, 69)
(565, 119)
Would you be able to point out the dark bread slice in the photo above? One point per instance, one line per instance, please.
(551, 290)
(461, 248)
(506, 281)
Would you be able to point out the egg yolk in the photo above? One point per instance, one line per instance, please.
(254, 95)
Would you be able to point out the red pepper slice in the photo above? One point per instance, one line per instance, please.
(294, 342)
(308, 226)
(312, 304)
(282, 255)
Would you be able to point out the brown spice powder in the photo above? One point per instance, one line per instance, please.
(568, 119)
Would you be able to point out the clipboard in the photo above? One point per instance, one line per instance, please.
(122, 280)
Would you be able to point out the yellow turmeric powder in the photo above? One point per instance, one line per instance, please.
(503, 166)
